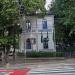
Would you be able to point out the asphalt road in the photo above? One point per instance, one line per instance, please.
(53, 68)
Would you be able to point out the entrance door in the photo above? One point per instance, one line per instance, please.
(45, 43)
(28, 44)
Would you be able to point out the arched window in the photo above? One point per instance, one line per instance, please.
(28, 43)
(28, 25)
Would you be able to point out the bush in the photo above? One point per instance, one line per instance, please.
(69, 49)
(44, 54)
(35, 54)
(59, 54)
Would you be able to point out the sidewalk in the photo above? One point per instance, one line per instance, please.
(41, 58)
(25, 63)
(46, 58)
(31, 61)
(22, 60)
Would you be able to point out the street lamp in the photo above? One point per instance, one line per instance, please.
(21, 13)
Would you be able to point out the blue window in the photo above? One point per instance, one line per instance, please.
(44, 23)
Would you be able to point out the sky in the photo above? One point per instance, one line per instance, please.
(47, 3)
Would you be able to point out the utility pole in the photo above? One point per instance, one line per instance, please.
(22, 19)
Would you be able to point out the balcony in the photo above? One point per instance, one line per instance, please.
(33, 29)
(45, 30)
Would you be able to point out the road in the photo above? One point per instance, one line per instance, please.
(53, 68)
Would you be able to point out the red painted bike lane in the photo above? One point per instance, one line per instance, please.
(16, 72)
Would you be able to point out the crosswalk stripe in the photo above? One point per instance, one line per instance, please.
(58, 70)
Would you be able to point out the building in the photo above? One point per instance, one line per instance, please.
(38, 33)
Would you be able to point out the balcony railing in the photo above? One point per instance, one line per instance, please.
(35, 29)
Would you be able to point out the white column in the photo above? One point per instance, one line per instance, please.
(37, 36)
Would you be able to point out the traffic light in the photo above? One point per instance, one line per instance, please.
(21, 9)
(19, 1)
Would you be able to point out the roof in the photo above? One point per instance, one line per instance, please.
(39, 14)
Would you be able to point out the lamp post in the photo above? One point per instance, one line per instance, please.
(21, 13)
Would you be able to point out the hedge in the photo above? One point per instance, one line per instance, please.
(69, 49)
(41, 54)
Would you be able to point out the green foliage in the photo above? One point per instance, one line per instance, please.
(64, 17)
(9, 13)
(70, 49)
(35, 54)
(31, 6)
(9, 16)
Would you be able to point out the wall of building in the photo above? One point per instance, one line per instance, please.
(36, 29)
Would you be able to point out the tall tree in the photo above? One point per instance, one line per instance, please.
(9, 11)
(31, 6)
(9, 15)
(64, 17)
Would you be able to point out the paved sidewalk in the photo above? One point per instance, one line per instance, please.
(24, 61)
(21, 63)
(33, 60)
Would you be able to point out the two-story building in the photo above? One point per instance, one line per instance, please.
(38, 33)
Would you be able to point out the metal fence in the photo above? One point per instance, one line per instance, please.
(68, 51)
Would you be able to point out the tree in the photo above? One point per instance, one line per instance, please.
(9, 17)
(64, 17)
(9, 11)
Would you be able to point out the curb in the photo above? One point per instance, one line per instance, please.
(55, 58)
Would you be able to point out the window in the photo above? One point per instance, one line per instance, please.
(28, 25)
(28, 44)
(45, 43)
(44, 23)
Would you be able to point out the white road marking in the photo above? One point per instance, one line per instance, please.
(48, 69)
